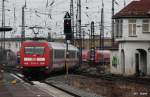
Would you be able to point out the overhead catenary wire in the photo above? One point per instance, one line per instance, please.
(57, 10)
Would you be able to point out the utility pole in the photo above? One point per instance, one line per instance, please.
(14, 19)
(112, 22)
(76, 33)
(72, 19)
(83, 38)
(14, 22)
(102, 28)
(23, 24)
(3, 24)
(78, 29)
(124, 3)
(92, 36)
(92, 44)
(102, 31)
(79, 5)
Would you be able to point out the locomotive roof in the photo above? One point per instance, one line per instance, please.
(58, 45)
(54, 45)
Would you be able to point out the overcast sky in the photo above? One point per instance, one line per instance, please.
(50, 13)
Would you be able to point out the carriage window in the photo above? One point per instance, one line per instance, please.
(72, 54)
(34, 50)
(59, 54)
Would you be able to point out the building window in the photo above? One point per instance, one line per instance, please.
(118, 27)
(132, 27)
(145, 26)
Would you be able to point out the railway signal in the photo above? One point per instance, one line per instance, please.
(67, 26)
(68, 34)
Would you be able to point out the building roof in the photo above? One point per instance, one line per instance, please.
(136, 9)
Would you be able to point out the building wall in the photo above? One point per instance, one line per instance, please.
(139, 34)
(130, 49)
(130, 46)
(115, 68)
(148, 62)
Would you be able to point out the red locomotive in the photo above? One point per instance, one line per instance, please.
(46, 56)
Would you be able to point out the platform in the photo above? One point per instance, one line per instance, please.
(19, 89)
(4, 91)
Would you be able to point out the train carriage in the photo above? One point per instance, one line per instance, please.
(100, 57)
(85, 56)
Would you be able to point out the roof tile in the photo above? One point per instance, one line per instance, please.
(136, 9)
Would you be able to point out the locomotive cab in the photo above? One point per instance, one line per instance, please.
(34, 55)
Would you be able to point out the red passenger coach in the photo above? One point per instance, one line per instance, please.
(85, 55)
(100, 57)
(45, 56)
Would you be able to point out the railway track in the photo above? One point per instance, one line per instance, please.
(69, 92)
(132, 79)
(22, 78)
(43, 85)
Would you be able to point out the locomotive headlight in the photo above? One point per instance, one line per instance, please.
(42, 63)
(26, 63)
(40, 59)
(21, 67)
(27, 59)
(46, 67)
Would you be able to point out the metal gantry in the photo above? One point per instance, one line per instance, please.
(78, 28)
(23, 24)
(101, 45)
(92, 43)
(102, 32)
(3, 24)
(112, 23)
(72, 19)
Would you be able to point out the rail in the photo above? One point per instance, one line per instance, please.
(109, 77)
(68, 92)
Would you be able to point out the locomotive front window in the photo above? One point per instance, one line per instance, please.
(34, 50)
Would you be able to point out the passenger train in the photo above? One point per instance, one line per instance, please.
(100, 57)
(46, 56)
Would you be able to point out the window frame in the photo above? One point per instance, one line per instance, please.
(33, 48)
(119, 27)
(59, 54)
(146, 23)
(132, 24)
